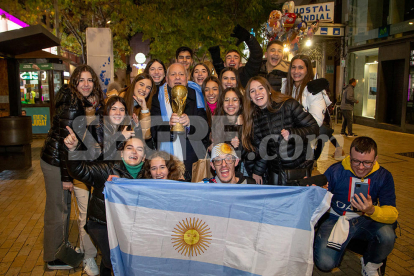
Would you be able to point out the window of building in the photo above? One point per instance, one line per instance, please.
(363, 66)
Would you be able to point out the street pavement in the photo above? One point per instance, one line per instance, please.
(22, 201)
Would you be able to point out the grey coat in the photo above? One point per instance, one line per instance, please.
(348, 99)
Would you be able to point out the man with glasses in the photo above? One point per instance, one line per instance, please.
(224, 161)
(353, 216)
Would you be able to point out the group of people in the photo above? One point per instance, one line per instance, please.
(260, 119)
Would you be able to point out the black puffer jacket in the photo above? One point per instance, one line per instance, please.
(267, 137)
(275, 77)
(67, 108)
(95, 174)
(104, 139)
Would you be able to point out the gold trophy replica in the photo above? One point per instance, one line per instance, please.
(179, 98)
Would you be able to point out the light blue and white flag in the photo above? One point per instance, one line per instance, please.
(164, 227)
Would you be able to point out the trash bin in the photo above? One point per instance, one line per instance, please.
(15, 140)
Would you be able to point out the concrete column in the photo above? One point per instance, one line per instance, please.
(323, 59)
(340, 82)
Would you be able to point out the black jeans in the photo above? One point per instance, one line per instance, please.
(99, 234)
(347, 120)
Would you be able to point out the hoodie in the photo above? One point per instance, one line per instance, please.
(342, 181)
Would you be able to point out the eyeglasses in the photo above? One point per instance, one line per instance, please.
(229, 161)
(367, 164)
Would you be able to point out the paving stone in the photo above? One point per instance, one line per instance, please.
(21, 210)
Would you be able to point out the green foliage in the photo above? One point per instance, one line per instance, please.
(198, 24)
(168, 24)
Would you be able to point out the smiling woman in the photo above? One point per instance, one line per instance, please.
(161, 165)
(95, 174)
(82, 97)
(138, 99)
(199, 73)
(270, 114)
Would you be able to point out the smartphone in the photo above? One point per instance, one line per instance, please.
(361, 187)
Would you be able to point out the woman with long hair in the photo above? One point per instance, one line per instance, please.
(138, 99)
(199, 73)
(228, 123)
(271, 119)
(212, 90)
(229, 77)
(110, 130)
(300, 85)
(79, 100)
(157, 70)
(229, 114)
(296, 86)
(162, 165)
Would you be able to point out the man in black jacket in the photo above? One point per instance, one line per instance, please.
(274, 68)
(233, 57)
(194, 142)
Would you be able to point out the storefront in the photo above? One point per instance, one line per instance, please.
(39, 83)
(381, 59)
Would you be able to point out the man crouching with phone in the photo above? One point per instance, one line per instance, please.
(353, 215)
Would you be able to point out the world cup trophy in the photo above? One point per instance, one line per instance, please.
(179, 98)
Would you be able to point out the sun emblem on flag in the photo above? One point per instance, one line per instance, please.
(226, 149)
(191, 237)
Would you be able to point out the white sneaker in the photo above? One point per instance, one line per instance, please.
(370, 269)
(90, 267)
(339, 153)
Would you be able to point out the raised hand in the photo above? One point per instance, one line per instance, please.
(128, 133)
(71, 141)
(141, 101)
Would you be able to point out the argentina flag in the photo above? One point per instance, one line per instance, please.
(165, 227)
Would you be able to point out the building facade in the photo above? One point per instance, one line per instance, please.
(380, 40)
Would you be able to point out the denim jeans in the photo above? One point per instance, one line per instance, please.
(57, 211)
(347, 121)
(380, 238)
(99, 234)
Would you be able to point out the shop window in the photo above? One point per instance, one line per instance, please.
(29, 87)
(363, 66)
(409, 118)
(376, 20)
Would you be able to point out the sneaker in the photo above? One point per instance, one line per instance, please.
(352, 135)
(58, 264)
(339, 154)
(344, 134)
(370, 269)
(90, 267)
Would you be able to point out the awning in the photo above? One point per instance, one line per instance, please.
(41, 54)
(26, 40)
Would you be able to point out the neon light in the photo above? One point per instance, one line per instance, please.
(13, 19)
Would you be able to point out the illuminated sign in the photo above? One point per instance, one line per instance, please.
(32, 75)
(323, 12)
(29, 76)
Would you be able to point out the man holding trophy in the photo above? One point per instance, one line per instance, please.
(186, 134)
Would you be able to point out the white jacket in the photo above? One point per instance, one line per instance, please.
(314, 104)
